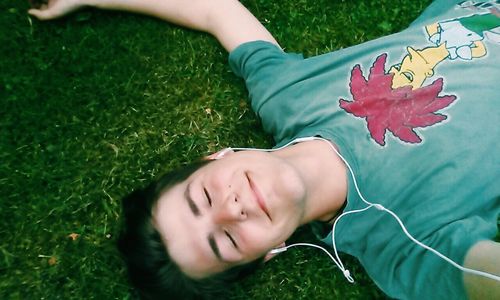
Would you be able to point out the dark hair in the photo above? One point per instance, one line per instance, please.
(150, 268)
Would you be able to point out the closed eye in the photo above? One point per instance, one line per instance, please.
(408, 76)
(231, 239)
(208, 196)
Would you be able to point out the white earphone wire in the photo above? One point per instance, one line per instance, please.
(380, 207)
(401, 224)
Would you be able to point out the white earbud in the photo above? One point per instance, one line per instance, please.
(222, 153)
(278, 250)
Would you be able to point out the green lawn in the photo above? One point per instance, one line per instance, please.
(98, 103)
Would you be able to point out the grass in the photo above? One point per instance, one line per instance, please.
(101, 102)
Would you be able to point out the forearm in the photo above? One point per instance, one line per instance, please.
(228, 20)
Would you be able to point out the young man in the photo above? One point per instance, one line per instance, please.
(415, 118)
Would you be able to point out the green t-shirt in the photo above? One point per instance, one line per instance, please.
(427, 151)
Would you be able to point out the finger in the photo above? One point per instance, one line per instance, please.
(40, 14)
(34, 12)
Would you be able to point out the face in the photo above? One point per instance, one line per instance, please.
(230, 212)
(412, 71)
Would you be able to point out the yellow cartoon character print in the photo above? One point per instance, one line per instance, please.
(461, 38)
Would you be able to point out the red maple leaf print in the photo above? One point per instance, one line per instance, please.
(399, 110)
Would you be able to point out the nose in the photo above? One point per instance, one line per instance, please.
(231, 210)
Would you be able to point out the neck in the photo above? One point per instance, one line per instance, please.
(324, 175)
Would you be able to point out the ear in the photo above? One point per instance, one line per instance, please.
(271, 255)
(219, 154)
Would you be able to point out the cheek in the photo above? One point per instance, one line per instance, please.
(219, 180)
(225, 178)
(258, 242)
(219, 185)
(216, 175)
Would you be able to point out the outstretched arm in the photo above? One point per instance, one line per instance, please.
(228, 20)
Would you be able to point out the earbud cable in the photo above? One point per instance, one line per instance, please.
(380, 207)
(403, 227)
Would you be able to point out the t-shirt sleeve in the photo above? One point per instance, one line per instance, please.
(250, 58)
(262, 65)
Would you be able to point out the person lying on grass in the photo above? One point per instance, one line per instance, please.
(392, 143)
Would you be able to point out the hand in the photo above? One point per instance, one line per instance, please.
(435, 39)
(54, 9)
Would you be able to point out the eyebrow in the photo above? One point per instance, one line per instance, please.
(192, 205)
(214, 247)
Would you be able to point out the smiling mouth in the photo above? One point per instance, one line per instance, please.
(258, 196)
